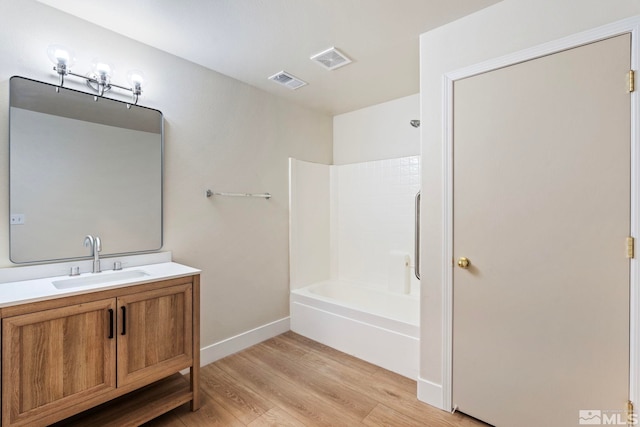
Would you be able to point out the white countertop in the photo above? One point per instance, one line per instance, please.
(25, 291)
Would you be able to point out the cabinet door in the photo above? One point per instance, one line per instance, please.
(52, 359)
(155, 334)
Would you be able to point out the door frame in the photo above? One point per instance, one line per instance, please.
(632, 26)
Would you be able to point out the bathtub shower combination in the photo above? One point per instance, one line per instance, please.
(353, 283)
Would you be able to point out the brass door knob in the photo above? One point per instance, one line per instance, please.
(463, 262)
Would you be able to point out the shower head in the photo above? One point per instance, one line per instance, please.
(415, 123)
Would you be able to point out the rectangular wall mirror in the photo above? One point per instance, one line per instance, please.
(81, 166)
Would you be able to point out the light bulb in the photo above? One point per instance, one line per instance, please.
(61, 56)
(102, 69)
(136, 80)
(101, 76)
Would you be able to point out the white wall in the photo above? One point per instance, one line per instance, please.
(506, 27)
(220, 134)
(378, 132)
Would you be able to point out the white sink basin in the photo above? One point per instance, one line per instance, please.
(99, 279)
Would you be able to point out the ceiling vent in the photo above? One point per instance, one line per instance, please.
(331, 59)
(288, 80)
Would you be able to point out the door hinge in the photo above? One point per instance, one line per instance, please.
(630, 247)
(632, 81)
(631, 419)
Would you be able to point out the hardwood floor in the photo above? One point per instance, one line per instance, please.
(290, 380)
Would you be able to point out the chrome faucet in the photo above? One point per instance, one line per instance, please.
(96, 247)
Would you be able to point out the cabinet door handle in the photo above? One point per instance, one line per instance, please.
(111, 323)
(124, 319)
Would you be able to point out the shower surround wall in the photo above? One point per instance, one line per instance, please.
(351, 262)
(351, 222)
(372, 222)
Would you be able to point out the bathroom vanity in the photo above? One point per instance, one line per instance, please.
(113, 341)
(100, 347)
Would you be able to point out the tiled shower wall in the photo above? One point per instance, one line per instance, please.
(354, 222)
(373, 220)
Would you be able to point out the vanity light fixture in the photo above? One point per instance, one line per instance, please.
(62, 58)
(98, 79)
(136, 80)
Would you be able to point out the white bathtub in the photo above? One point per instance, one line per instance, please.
(377, 326)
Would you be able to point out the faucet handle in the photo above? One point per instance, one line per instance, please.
(117, 265)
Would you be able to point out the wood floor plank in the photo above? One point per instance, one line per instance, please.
(343, 358)
(276, 417)
(288, 349)
(391, 391)
(381, 416)
(331, 368)
(404, 383)
(235, 397)
(293, 381)
(305, 405)
(332, 390)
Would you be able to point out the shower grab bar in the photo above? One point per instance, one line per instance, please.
(416, 261)
(210, 193)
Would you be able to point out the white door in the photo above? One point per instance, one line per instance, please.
(541, 209)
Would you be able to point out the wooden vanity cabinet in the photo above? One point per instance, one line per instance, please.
(63, 356)
(53, 358)
(154, 334)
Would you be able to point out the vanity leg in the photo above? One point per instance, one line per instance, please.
(195, 368)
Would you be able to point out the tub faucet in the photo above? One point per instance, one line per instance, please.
(96, 247)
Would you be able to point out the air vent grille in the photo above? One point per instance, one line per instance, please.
(331, 59)
(288, 80)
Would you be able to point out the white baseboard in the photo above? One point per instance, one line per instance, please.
(431, 393)
(244, 340)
